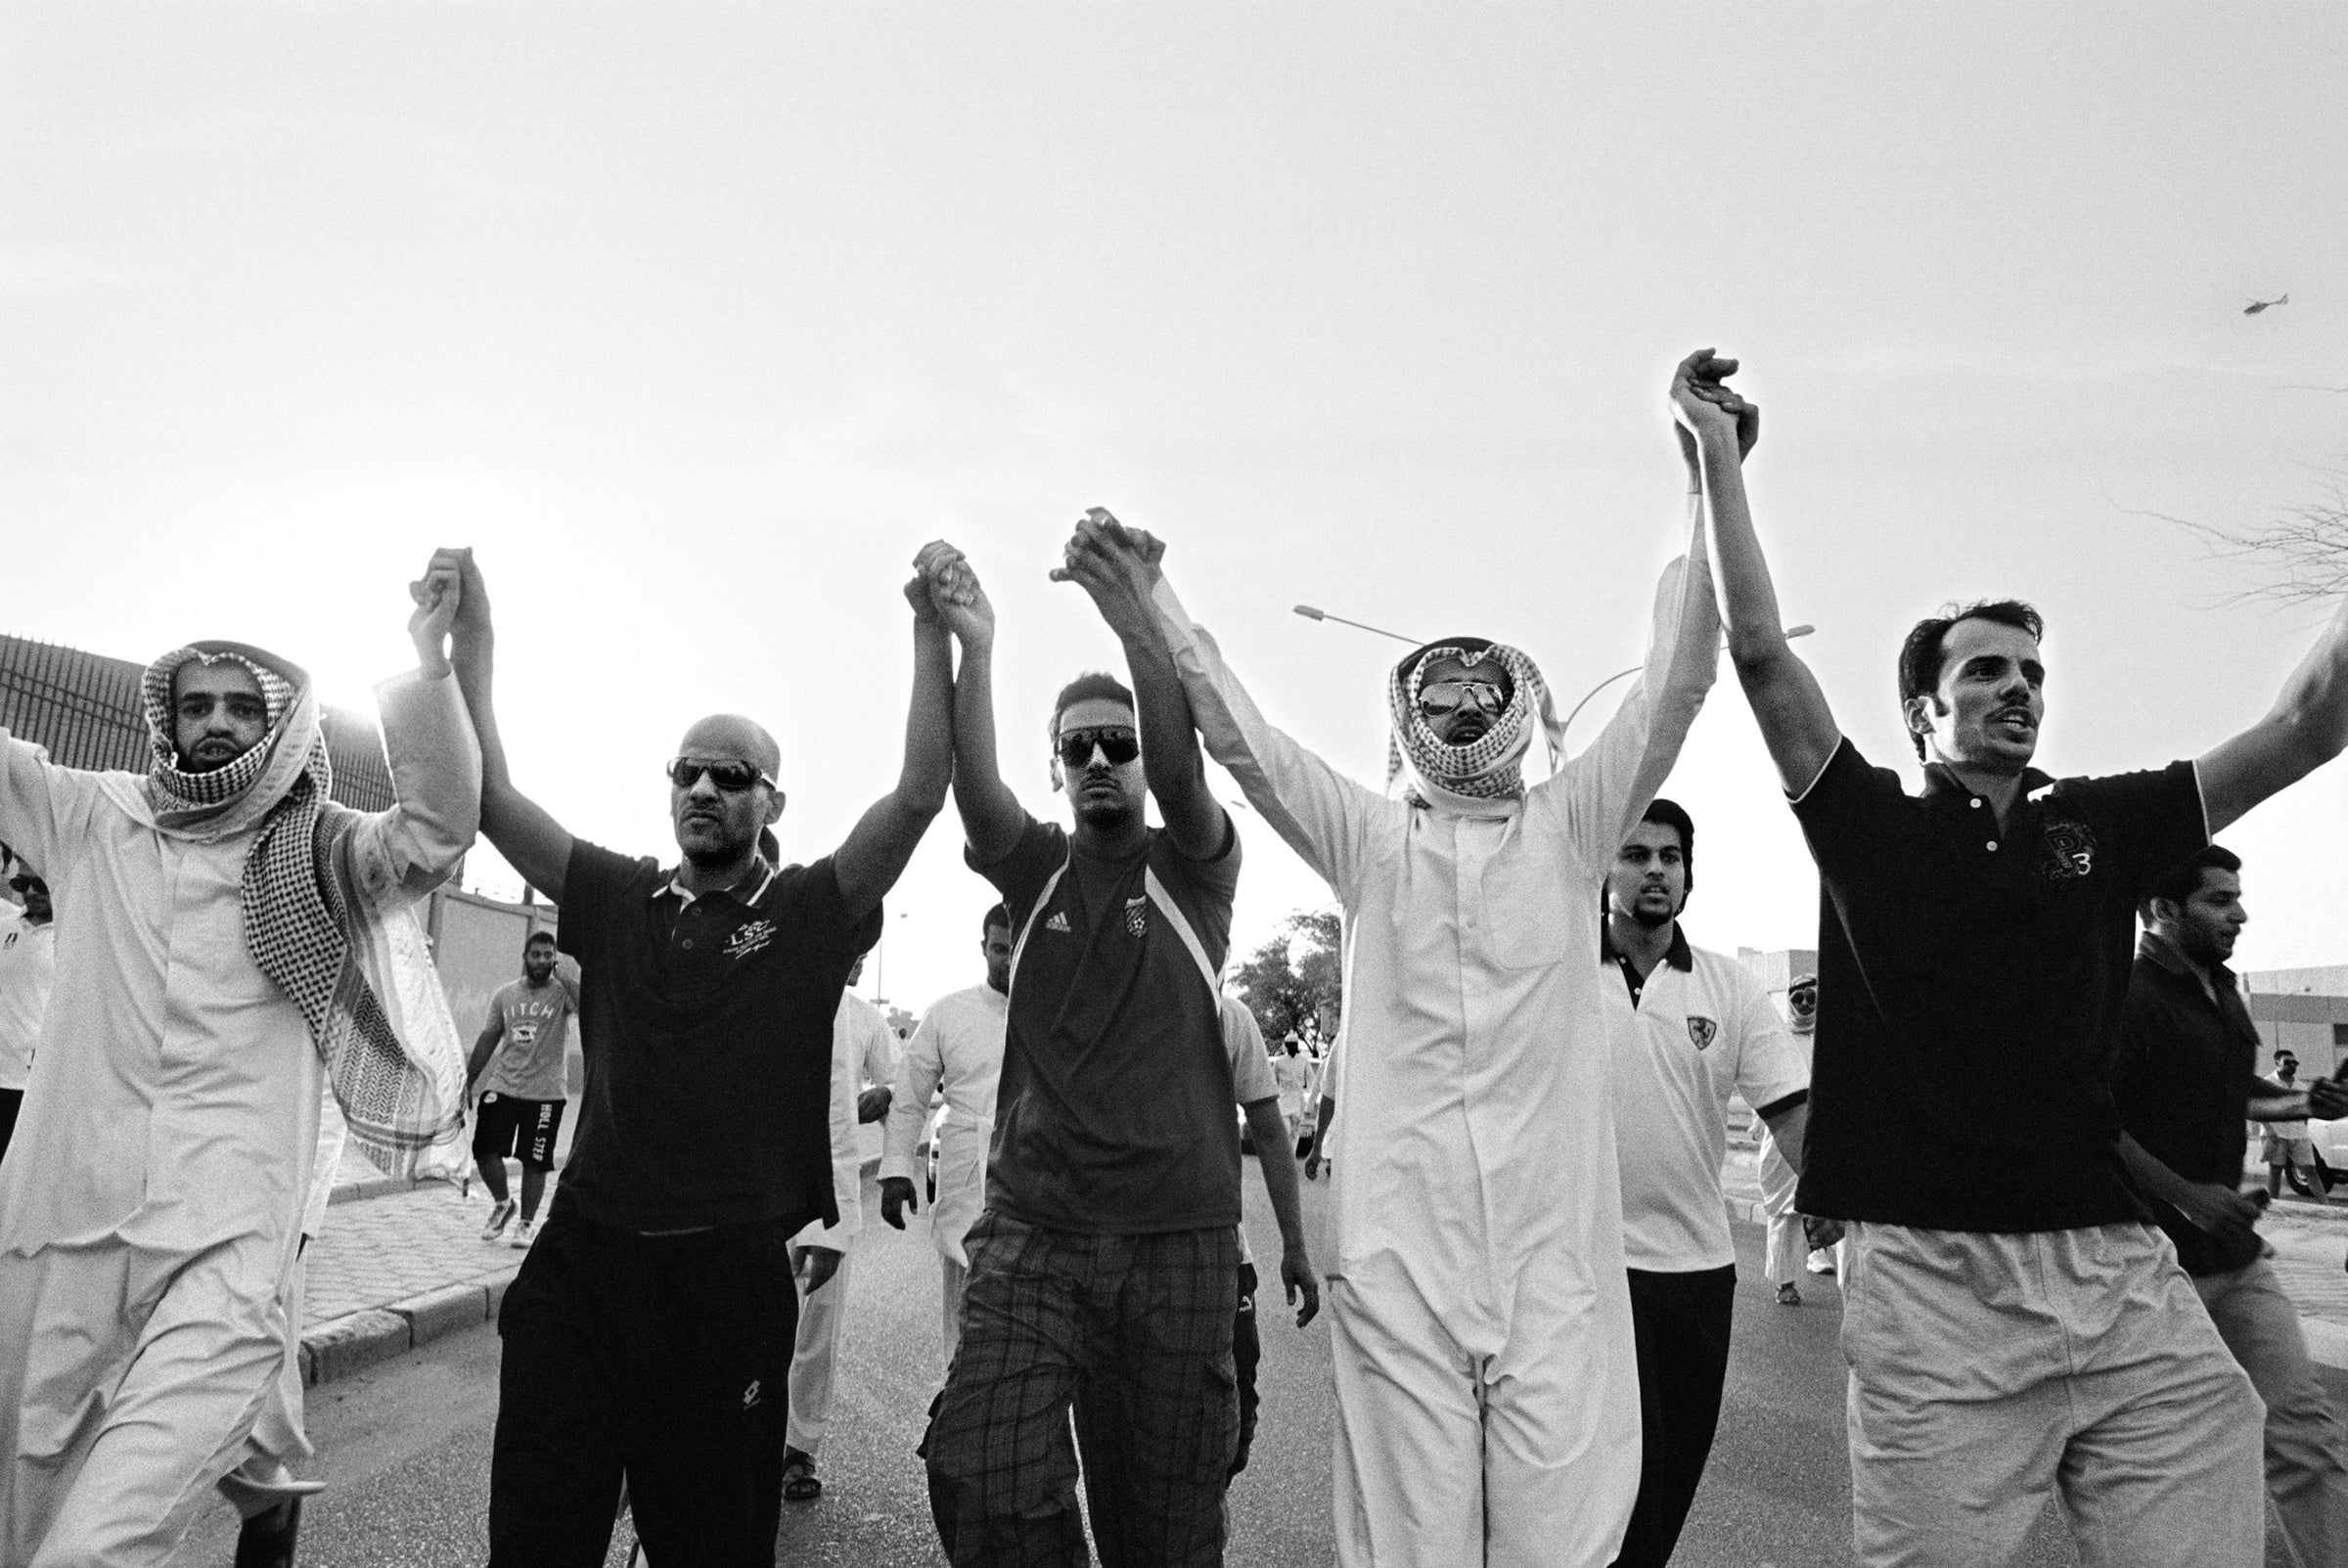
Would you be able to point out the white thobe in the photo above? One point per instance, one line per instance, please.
(152, 1202)
(864, 1051)
(958, 1048)
(1487, 1388)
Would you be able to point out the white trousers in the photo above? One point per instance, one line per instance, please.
(814, 1356)
(130, 1384)
(1446, 1459)
(1992, 1371)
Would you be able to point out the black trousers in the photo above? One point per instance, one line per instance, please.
(1682, 1323)
(11, 1101)
(661, 1360)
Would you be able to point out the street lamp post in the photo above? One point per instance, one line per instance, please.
(1312, 614)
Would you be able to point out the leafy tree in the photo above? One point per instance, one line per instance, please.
(1293, 980)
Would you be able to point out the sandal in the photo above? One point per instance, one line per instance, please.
(801, 1483)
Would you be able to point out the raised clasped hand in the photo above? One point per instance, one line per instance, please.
(1117, 564)
(437, 594)
(1702, 401)
(952, 591)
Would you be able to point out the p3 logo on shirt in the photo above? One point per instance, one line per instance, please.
(2070, 852)
(1703, 1031)
(1137, 916)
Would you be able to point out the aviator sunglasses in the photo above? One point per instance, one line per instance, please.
(1445, 696)
(1117, 743)
(731, 776)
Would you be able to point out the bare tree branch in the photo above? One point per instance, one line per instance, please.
(2302, 553)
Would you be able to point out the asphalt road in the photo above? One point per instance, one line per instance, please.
(405, 1447)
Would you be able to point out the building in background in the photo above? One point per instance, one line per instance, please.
(2304, 1011)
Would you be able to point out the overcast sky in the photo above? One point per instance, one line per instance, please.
(697, 321)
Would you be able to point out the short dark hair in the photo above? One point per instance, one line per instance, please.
(542, 934)
(998, 916)
(1924, 651)
(2183, 880)
(1085, 688)
(1671, 814)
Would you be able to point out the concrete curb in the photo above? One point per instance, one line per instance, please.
(341, 1346)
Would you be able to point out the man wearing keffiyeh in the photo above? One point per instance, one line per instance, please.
(1480, 1323)
(231, 942)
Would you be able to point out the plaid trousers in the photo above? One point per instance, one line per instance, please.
(1131, 1335)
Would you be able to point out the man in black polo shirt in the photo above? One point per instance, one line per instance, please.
(1105, 1270)
(2186, 1081)
(2014, 1324)
(649, 1335)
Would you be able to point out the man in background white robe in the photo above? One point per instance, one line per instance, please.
(956, 1049)
(864, 1053)
(151, 1206)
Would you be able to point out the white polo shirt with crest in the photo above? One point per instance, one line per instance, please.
(1702, 1027)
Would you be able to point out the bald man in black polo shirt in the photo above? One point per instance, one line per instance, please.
(2014, 1324)
(649, 1335)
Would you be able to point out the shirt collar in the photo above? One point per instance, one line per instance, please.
(1942, 786)
(1679, 955)
(2163, 952)
(760, 872)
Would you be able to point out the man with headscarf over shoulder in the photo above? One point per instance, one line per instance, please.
(231, 939)
(1487, 1391)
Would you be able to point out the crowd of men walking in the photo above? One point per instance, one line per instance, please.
(1529, 1274)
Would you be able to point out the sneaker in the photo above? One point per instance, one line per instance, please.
(524, 1234)
(1789, 1294)
(499, 1214)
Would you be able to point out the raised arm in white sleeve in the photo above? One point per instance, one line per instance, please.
(1318, 810)
(1608, 785)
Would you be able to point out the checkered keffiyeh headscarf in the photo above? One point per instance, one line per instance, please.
(300, 899)
(1490, 767)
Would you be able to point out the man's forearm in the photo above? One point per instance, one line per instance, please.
(928, 723)
(1748, 598)
(1278, 1163)
(991, 814)
(1789, 1128)
(1171, 760)
(474, 663)
(483, 1048)
(2153, 1177)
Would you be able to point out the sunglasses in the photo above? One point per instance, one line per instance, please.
(1445, 697)
(731, 776)
(1117, 743)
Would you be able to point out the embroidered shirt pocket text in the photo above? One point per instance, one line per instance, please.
(749, 938)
